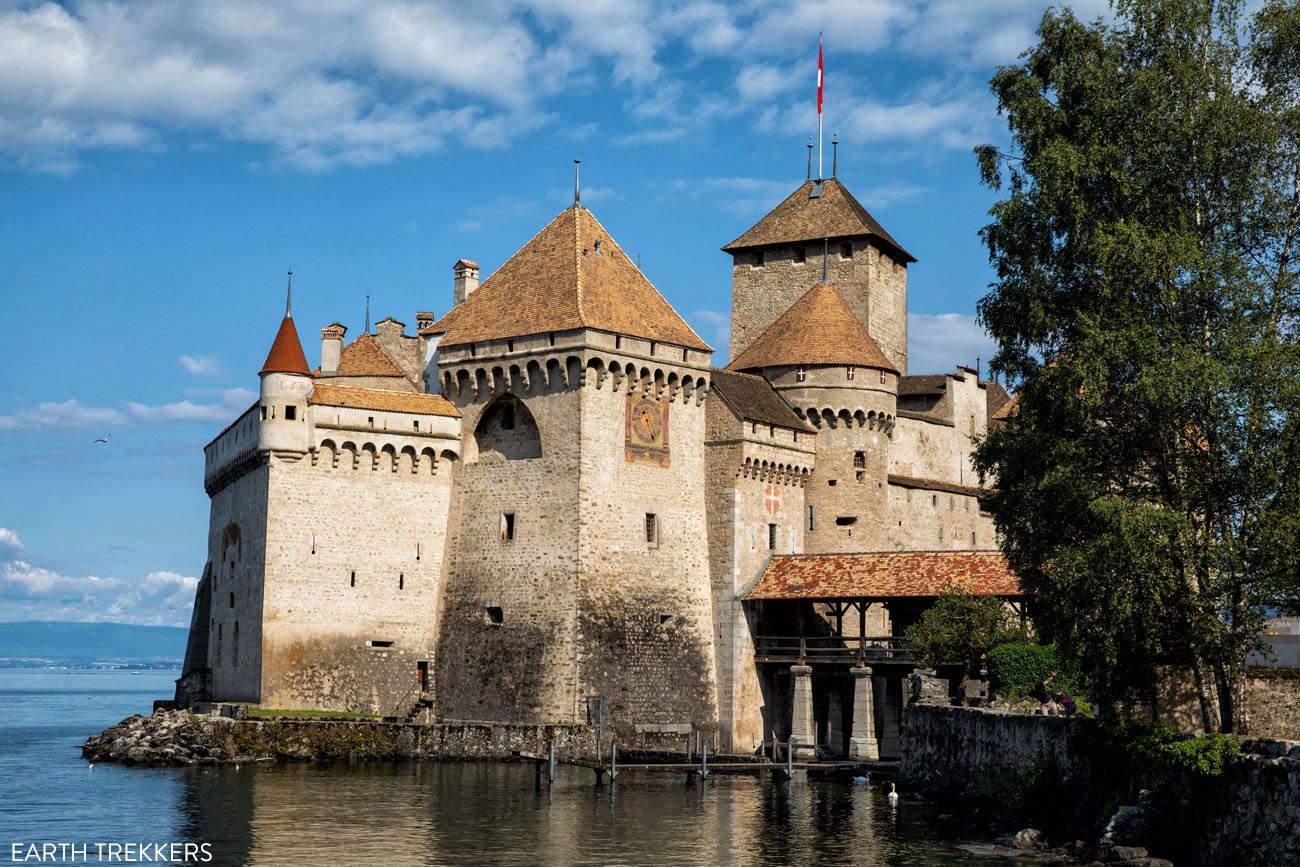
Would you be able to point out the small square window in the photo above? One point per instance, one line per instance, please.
(291, 413)
(846, 250)
(665, 618)
(493, 615)
(507, 526)
(759, 260)
(417, 425)
(799, 255)
(859, 460)
(652, 529)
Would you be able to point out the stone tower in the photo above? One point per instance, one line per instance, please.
(579, 566)
(826, 366)
(820, 226)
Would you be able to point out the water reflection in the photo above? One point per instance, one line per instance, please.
(435, 814)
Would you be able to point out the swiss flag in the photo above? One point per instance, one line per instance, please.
(820, 75)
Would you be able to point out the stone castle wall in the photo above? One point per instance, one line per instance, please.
(237, 555)
(356, 536)
(522, 668)
(645, 625)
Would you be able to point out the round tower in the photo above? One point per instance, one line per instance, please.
(822, 361)
(286, 383)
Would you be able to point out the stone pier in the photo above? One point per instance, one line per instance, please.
(862, 741)
(803, 732)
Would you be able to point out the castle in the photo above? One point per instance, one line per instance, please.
(546, 504)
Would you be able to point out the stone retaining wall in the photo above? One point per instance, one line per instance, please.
(1255, 819)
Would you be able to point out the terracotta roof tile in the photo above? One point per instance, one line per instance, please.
(1008, 410)
(570, 275)
(833, 214)
(286, 355)
(365, 357)
(996, 397)
(936, 485)
(752, 397)
(818, 329)
(884, 575)
(324, 394)
(929, 383)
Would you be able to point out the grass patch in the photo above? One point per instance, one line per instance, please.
(280, 713)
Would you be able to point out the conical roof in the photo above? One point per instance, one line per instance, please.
(831, 213)
(818, 329)
(286, 355)
(570, 275)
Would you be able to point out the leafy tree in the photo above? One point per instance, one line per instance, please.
(1146, 308)
(960, 628)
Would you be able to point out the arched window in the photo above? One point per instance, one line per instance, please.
(508, 431)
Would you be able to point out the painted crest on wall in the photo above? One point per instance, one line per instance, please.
(772, 499)
(647, 430)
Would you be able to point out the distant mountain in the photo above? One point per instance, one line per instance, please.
(66, 642)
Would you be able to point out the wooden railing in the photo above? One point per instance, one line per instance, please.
(832, 648)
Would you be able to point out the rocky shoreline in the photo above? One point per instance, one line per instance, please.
(168, 738)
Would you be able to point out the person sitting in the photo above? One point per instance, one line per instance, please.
(1046, 700)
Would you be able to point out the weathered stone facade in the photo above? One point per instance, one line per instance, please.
(540, 504)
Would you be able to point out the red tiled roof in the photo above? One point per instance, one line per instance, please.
(819, 328)
(884, 574)
(570, 275)
(286, 355)
(834, 213)
(390, 401)
(365, 357)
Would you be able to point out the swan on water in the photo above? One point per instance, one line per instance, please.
(893, 792)
(862, 781)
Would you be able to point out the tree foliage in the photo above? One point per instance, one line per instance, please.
(1146, 308)
(960, 628)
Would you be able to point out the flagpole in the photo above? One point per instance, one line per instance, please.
(821, 81)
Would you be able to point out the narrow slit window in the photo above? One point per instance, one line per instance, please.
(401, 581)
(507, 526)
(379, 643)
(812, 524)
(232, 600)
(652, 529)
(353, 580)
(771, 537)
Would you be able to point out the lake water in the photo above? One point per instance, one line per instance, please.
(424, 813)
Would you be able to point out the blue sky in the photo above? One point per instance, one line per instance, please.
(163, 162)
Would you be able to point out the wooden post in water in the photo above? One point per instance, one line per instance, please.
(704, 760)
(550, 777)
(613, 761)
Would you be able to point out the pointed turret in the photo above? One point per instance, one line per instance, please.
(286, 383)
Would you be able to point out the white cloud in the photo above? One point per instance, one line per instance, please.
(937, 343)
(32, 592)
(73, 414)
(11, 547)
(70, 413)
(715, 328)
(202, 365)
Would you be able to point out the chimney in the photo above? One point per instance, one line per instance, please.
(423, 320)
(331, 346)
(466, 279)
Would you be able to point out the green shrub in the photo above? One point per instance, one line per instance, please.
(1015, 667)
(960, 628)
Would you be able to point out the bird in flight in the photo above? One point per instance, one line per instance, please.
(103, 439)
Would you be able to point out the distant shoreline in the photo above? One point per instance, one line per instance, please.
(81, 665)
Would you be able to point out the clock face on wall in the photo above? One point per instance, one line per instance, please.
(647, 430)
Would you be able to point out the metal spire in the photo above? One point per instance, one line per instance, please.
(577, 188)
(835, 155)
(367, 331)
(810, 158)
(288, 296)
